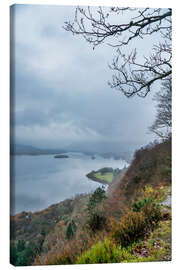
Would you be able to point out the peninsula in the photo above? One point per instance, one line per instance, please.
(105, 175)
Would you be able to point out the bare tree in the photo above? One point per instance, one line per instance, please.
(118, 27)
(163, 122)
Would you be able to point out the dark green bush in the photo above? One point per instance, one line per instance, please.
(71, 229)
(137, 206)
(13, 254)
(97, 220)
(20, 245)
(96, 198)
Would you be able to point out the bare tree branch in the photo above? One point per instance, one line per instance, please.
(163, 122)
(99, 25)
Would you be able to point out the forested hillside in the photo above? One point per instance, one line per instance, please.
(128, 223)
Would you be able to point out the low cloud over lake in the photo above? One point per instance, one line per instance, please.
(60, 91)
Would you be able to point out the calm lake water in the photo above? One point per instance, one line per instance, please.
(39, 181)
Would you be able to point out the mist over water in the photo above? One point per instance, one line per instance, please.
(39, 181)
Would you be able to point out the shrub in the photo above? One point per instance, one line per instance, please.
(102, 252)
(148, 204)
(96, 198)
(96, 217)
(20, 245)
(97, 220)
(143, 217)
(13, 254)
(62, 259)
(71, 229)
(155, 193)
(131, 227)
(152, 214)
(137, 206)
(67, 255)
(26, 256)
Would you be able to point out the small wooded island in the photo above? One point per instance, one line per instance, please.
(61, 156)
(105, 175)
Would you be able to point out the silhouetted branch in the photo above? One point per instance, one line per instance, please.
(118, 27)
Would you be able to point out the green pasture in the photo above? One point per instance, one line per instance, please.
(108, 177)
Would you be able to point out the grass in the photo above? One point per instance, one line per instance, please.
(108, 177)
(102, 252)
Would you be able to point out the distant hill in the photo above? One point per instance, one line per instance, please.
(20, 149)
(106, 150)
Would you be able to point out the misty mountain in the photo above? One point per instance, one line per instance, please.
(105, 149)
(20, 149)
(115, 151)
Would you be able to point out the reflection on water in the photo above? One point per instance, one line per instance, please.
(39, 181)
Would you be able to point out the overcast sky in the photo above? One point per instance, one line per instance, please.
(60, 90)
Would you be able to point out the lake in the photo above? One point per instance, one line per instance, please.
(42, 180)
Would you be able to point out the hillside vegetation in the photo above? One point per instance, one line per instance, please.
(128, 223)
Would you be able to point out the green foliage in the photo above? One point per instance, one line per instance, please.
(95, 199)
(69, 232)
(20, 245)
(22, 255)
(71, 229)
(21, 258)
(144, 216)
(106, 170)
(43, 231)
(131, 227)
(74, 227)
(152, 214)
(97, 220)
(149, 205)
(137, 179)
(137, 206)
(156, 247)
(108, 176)
(105, 252)
(13, 254)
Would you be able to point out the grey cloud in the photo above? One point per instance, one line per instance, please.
(60, 87)
(31, 117)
